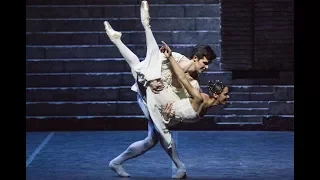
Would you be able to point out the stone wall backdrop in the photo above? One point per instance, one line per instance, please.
(257, 46)
(257, 39)
(76, 79)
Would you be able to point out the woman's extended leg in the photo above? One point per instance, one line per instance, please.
(150, 68)
(128, 55)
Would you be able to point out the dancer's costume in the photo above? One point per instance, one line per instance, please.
(155, 66)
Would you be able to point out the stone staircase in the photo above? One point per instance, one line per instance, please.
(77, 79)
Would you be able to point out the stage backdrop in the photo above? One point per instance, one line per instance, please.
(76, 79)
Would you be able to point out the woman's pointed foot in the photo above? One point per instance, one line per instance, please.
(113, 35)
(144, 13)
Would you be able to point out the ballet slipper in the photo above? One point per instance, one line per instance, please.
(113, 35)
(180, 174)
(144, 13)
(118, 169)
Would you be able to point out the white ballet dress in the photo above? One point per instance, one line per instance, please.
(170, 94)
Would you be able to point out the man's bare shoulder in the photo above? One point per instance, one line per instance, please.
(185, 64)
(180, 57)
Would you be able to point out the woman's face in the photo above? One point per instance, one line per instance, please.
(223, 97)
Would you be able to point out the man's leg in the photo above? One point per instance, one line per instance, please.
(173, 154)
(137, 148)
(134, 150)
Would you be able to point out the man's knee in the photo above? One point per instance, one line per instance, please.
(151, 141)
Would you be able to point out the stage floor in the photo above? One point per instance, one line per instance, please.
(216, 155)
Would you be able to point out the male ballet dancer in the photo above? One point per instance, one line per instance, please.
(201, 57)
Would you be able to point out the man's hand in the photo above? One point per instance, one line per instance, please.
(167, 112)
(165, 50)
(156, 85)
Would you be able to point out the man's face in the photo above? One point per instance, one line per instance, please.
(200, 65)
(223, 97)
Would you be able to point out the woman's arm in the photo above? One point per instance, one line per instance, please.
(193, 92)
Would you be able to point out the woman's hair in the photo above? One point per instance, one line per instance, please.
(215, 87)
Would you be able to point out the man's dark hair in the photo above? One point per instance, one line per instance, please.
(201, 50)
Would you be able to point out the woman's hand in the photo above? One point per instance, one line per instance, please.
(165, 50)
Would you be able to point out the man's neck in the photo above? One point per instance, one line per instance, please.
(194, 75)
(191, 68)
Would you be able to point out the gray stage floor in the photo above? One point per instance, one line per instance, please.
(217, 155)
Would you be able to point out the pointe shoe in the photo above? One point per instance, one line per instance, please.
(113, 35)
(144, 13)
